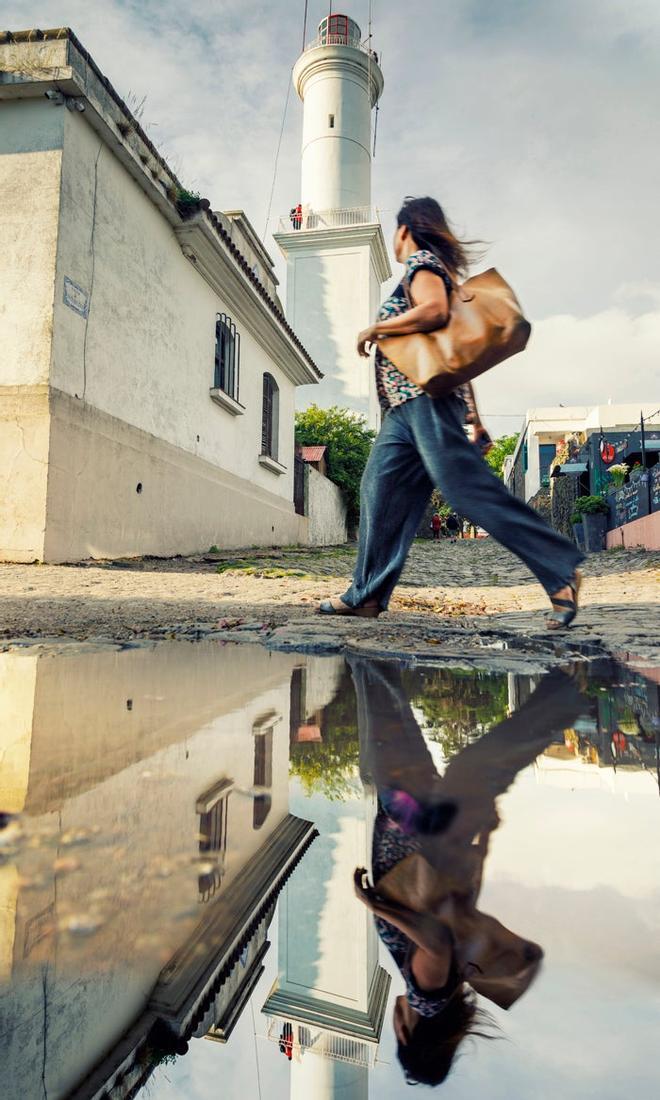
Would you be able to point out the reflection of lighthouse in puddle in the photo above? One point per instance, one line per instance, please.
(328, 1003)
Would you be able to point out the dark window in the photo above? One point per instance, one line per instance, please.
(525, 457)
(263, 775)
(212, 808)
(331, 121)
(299, 479)
(227, 356)
(547, 452)
(270, 417)
(298, 701)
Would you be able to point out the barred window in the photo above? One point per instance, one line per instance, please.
(227, 356)
(212, 807)
(270, 417)
(263, 731)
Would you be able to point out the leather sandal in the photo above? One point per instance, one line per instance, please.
(564, 611)
(366, 611)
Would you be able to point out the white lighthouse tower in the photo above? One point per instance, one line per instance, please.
(335, 251)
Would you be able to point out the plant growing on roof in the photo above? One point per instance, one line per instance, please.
(189, 202)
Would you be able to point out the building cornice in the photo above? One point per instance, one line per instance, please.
(202, 245)
(299, 242)
(286, 1004)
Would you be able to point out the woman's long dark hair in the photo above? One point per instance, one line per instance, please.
(427, 1057)
(430, 229)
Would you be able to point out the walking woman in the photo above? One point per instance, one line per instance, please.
(422, 444)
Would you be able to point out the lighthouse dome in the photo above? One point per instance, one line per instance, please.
(339, 30)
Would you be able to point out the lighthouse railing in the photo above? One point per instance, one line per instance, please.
(339, 40)
(328, 219)
(302, 1038)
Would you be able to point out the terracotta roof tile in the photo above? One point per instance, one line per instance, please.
(313, 453)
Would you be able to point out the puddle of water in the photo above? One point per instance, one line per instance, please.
(180, 914)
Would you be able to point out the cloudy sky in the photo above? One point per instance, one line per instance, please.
(535, 122)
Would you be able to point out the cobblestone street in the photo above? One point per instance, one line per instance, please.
(468, 597)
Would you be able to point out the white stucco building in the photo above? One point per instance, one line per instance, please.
(147, 372)
(335, 251)
(527, 469)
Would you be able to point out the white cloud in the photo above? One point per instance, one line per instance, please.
(579, 360)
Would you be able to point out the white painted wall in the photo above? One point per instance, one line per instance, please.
(145, 354)
(330, 291)
(326, 510)
(30, 162)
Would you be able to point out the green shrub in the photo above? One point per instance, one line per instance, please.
(589, 506)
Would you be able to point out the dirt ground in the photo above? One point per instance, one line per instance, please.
(466, 594)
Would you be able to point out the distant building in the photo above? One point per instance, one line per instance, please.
(148, 374)
(528, 469)
(566, 453)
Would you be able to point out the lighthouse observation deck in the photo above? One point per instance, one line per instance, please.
(304, 218)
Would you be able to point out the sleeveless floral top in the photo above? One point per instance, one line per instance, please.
(390, 846)
(393, 387)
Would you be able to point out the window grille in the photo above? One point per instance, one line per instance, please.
(270, 417)
(227, 356)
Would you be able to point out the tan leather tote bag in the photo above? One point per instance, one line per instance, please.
(486, 325)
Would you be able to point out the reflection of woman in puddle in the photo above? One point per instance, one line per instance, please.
(431, 837)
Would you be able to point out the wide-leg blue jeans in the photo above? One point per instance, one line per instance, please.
(422, 445)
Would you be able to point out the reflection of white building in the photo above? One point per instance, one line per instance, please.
(153, 782)
(336, 255)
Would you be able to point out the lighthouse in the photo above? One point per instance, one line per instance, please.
(332, 239)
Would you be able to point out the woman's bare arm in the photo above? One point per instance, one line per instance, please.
(429, 312)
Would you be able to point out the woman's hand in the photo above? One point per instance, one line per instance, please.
(479, 433)
(365, 338)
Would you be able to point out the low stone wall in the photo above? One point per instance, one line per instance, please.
(326, 511)
(565, 492)
(542, 504)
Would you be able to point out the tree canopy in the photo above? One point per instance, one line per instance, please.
(502, 447)
(349, 442)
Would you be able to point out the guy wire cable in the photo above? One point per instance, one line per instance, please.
(279, 140)
(277, 151)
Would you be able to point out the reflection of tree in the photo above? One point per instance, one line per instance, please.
(330, 766)
(458, 705)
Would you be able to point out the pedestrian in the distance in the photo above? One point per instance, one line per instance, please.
(422, 443)
(453, 526)
(436, 525)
